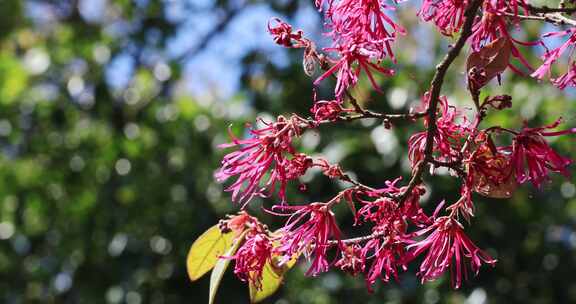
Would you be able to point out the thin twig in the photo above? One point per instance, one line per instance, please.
(357, 239)
(545, 9)
(553, 18)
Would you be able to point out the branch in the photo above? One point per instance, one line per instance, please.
(546, 9)
(357, 239)
(384, 116)
(553, 18)
(456, 166)
(435, 89)
(548, 14)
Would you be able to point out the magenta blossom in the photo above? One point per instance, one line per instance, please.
(354, 57)
(251, 258)
(391, 218)
(387, 250)
(447, 246)
(510, 6)
(387, 256)
(568, 79)
(351, 260)
(283, 34)
(452, 128)
(308, 231)
(532, 158)
(326, 110)
(266, 151)
(550, 57)
(364, 21)
(362, 35)
(447, 15)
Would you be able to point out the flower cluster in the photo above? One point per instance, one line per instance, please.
(452, 129)
(446, 246)
(362, 33)
(391, 221)
(265, 155)
(252, 257)
(308, 231)
(491, 161)
(532, 158)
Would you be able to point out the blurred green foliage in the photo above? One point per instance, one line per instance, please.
(103, 187)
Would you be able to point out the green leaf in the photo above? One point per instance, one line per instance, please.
(220, 268)
(205, 251)
(272, 277)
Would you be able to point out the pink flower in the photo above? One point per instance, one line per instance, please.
(510, 6)
(550, 57)
(447, 246)
(364, 21)
(354, 57)
(464, 207)
(326, 110)
(251, 258)
(532, 157)
(309, 231)
(351, 260)
(387, 250)
(362, 34)
(283, 34)
(387, 256)
(390, 217)
(297, 166)
(447, 15)
(447, 138)
(568, 79)
(265, 151)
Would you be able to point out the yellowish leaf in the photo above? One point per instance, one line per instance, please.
(220, 268)
(205, 251)
(271, 281)
(272, 277)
